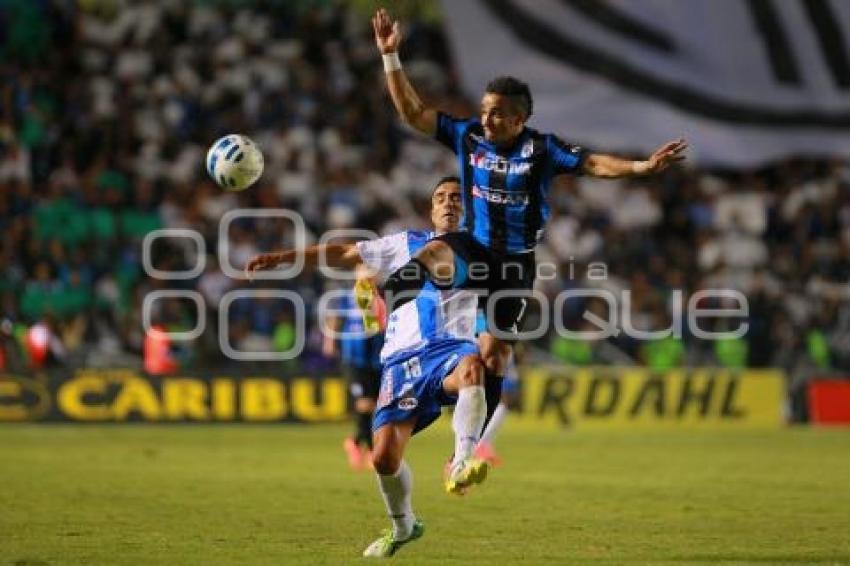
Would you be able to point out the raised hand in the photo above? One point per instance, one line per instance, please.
(387, 32)
(259, 262)
(666, 155)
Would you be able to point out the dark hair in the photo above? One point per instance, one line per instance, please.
(444, 180)
(516, 90)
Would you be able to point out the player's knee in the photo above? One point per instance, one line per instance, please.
(385, 461)
(473, 372)
(493, 364)
(493, 353)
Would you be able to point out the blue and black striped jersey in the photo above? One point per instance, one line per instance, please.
(505, 189)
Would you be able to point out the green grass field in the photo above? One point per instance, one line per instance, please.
(283, 495)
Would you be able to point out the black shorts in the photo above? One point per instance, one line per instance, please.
(363, 382)
(491, 272)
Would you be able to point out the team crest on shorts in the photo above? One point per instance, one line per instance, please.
(407, 398)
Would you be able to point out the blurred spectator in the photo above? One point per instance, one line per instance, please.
(107, 110)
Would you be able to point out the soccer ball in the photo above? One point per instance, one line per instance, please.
(234, 162)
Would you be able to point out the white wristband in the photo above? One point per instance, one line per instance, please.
(391, 62)
(639, 167)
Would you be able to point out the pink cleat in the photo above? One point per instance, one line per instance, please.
(355, 457)
(486, 452)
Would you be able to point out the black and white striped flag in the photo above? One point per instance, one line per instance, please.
(745, 81)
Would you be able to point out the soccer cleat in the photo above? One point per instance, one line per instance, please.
(466, 474)
(386, 545)
(370, 304)
(355, 457)
(447, 471)
(485, 451)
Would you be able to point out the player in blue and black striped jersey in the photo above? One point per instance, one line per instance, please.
(359, 352)
(506, 169)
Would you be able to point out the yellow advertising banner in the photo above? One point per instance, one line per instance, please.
(118, 395)
(638, 397)
(549, 396)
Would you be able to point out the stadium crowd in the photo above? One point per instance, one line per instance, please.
(104, 140)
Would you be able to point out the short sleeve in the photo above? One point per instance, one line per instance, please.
(386, 254)
(565, 158)
(450, 130)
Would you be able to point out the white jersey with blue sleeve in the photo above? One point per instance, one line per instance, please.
(433, 314)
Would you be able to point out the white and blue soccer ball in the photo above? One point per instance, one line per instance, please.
(234, 162)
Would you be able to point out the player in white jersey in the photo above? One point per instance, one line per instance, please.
(430, 358)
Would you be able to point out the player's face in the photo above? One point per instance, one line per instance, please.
(501, 121)
(446, 208)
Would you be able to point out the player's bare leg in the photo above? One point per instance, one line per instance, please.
(395, 482)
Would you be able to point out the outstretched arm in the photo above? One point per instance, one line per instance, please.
(410, 107)
(600, 165)
(340, 256)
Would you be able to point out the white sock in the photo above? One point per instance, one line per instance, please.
(495, 423)
(396, 490)
(468, 420)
